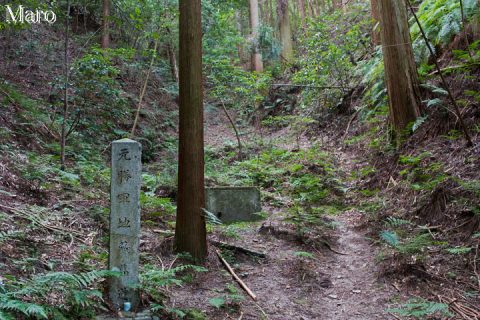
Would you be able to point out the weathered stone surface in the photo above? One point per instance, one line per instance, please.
(233, 204)
(145, 315)
(125, 221)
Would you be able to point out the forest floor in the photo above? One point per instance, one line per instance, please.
(339, 280)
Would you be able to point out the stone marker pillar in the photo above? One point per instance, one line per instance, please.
(125, 221)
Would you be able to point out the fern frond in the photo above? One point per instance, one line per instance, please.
(397, 222)
(391, 238)
(28, 309)
(6, 316)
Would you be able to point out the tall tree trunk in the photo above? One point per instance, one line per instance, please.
(257, 63)
(105, 24)
(301, 8)
(190, 230)
(376, 23)
(285, 30)
(312, 9)
(63, 136)
(400, 70)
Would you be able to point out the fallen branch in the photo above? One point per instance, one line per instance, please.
(237, 248)
(350, 123)
(240, 282)
(308, 86)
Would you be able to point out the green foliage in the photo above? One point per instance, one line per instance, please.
(10, 234)
(420, 308)
(459, 250)
(153, 281)
(98, 95)
(441, 20)
(420, 174)
(414, 245)
(229, 299)
(59, 295)
(303, 254)
(332, 44)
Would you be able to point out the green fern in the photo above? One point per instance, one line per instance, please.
(391, 238)
(10, 234)
(397, 222)
(420, 308)
(410, 246)
(154, 280)
(441, 20)
(28, 297)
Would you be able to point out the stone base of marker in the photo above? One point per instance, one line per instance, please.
(129, 316)
(234, 204)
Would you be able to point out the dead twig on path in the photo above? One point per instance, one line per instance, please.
(240, 282)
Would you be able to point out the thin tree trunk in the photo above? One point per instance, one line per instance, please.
(105, 25)
(400, 69)
(376, 23)
(285, 30)
(144, 89)
(476, 23)
(303, 16)
(190, 229)
(257, 63)
(237, 134)
(172, 57)
(63, 137)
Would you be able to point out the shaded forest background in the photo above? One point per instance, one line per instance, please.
(308, 122)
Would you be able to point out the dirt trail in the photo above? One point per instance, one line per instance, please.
(358, 291)
(329, 286)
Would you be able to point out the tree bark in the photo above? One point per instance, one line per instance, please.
(172, 57)
(257, 63)
(190, 230)
(63, 136)
(301, 9)
(400, 69)
(376, 23)
(105, 25)
(285, 30)
(476, 23)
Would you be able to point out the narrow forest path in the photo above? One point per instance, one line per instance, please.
(296, 280)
